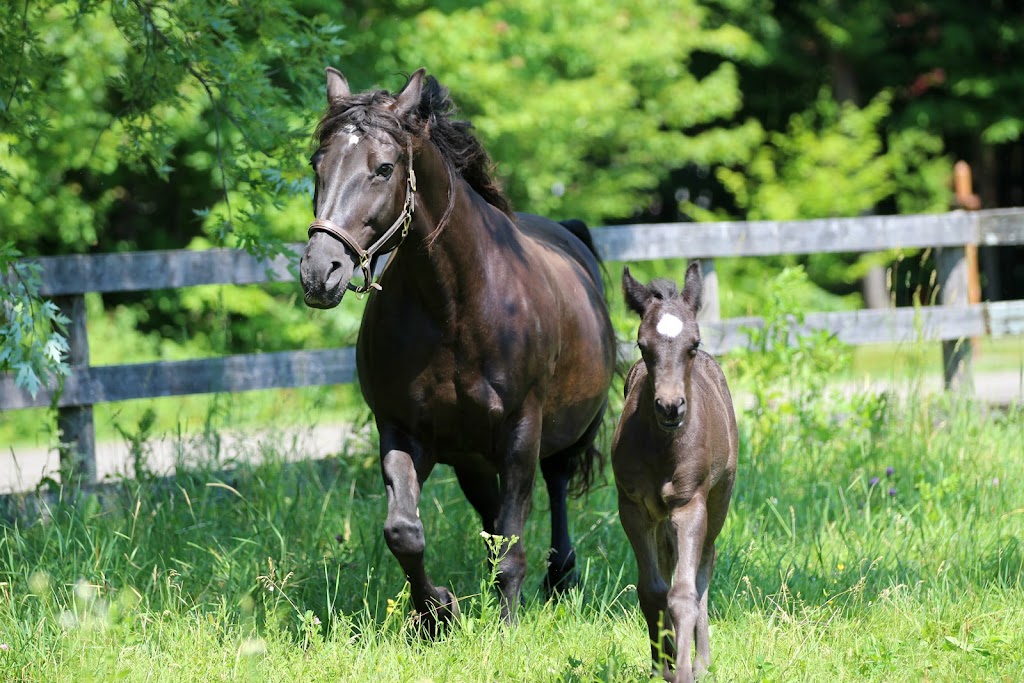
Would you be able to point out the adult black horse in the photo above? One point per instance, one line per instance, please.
(486, 343)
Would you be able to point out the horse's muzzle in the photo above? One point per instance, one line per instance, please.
(324, 271)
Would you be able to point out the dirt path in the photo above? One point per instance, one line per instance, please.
(23, 467)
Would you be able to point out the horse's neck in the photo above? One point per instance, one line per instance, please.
(446, 263)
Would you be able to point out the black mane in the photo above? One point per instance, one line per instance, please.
(371, 110)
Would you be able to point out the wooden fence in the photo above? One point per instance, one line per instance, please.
(66, 279)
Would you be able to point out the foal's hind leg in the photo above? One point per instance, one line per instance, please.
(405, 467)
(561, 575)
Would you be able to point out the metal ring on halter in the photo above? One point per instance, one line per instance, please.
(368, 257)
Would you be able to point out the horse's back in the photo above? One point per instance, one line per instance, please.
(571, 237)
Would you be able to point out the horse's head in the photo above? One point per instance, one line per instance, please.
(364, 189)
(668, 338)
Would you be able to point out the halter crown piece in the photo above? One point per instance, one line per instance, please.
(368, 257)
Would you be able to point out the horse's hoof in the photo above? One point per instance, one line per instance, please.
(558, 583)
(436, 620)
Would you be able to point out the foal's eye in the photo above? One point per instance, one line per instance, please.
(693, 349)
(385, 170)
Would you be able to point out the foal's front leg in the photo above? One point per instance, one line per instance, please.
(652, 590)
(689, 522)
(405, 466)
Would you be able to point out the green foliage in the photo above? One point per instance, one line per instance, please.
(33, 345)
(586, 107)
(209, 94)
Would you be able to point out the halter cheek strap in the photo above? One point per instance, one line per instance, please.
(368, 257)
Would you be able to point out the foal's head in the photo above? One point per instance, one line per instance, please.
(668, 338)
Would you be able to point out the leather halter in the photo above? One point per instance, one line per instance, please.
(368, 257)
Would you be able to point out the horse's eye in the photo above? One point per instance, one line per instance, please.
(385, 170)
(314, 160)
(693, 349)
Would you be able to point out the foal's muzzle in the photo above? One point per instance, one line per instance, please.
(670, 413)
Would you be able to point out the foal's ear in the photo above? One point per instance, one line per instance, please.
(636, 294)
(337, 85)
(409, 99)
(693, 287)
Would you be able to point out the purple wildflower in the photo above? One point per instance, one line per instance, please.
(889, 471)
(874, 482)
(892, 491)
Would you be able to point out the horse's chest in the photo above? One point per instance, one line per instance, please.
(436, 396)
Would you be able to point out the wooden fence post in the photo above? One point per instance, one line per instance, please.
(75, 423)
(711, 311)
(954, 290)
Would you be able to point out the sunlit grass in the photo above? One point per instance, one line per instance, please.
(869, 540)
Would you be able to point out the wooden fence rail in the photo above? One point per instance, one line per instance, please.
(68, 278)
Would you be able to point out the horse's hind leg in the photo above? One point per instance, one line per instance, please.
(404, 468)
(557, 470)
(480, 486)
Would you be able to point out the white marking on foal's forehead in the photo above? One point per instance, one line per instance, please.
(669, 325)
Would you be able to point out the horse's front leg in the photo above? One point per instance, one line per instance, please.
(520, 449)
(405, 466)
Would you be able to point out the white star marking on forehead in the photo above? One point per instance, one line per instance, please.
(669, 325)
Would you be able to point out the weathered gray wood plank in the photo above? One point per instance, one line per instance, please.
(337, 366)
(75, 423)
(146, 270)
(176, 378)
(764, 238)
(1000, 226)
(137, 271)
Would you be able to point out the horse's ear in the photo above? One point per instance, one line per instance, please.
(693, 287)
(337, 85)
(409, 99)
(636, 294)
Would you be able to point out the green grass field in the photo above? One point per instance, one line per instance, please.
(831, 567)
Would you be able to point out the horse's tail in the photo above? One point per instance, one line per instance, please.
(582, 232)
(580, 229)
(586, 462)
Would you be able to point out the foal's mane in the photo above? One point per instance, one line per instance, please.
(461, 151)
(663, 289)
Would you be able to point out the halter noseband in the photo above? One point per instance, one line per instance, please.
(368, 256)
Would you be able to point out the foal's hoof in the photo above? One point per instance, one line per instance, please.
(438, 617)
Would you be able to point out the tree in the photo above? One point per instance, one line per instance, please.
(144, 124)
(585, 106)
